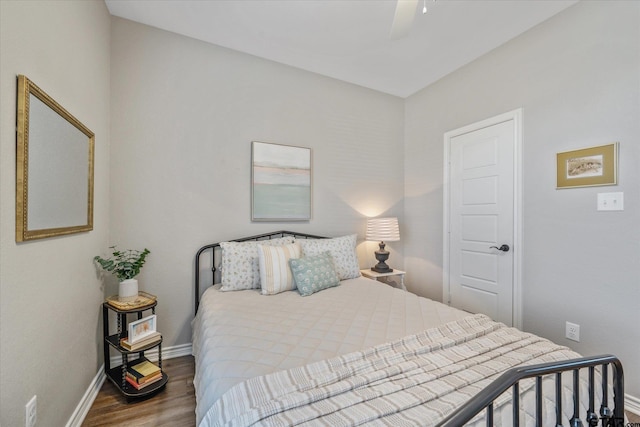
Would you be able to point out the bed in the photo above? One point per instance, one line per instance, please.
(363, 352)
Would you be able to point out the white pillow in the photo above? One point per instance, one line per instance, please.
(342, 249)
(275, 273)
(240, 268)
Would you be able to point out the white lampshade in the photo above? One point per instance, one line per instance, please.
(383, 229)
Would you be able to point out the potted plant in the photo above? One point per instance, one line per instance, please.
(126, 266)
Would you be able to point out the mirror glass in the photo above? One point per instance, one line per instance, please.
(54, 194)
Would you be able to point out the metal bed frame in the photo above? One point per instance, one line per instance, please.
(214, 247)
(483, 401)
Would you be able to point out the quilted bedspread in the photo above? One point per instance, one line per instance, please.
(416, 380)
(243, 334)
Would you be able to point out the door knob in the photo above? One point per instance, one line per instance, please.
(503, 248)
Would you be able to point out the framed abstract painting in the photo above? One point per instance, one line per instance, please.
(280, 182)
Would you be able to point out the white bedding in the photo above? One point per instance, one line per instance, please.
(243, 334)
(415, 381)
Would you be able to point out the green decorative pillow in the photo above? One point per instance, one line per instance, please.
(314, 273)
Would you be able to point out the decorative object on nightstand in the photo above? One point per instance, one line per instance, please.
(126, 266)
(382, 229)
(384, 277)
(143, 299)
(139, 377)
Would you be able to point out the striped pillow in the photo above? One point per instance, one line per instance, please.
(275, 273)
(240, 269)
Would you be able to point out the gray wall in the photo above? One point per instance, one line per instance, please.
(49, 294)
(183, 116)
(577, 78)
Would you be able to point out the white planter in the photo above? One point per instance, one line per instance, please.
(128, 290)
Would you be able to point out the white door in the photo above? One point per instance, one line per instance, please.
(481, 214)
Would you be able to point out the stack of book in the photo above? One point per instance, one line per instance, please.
(146, 341)
(140, 374)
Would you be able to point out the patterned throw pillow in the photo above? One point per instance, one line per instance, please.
(342, 249)
(275, 273)
(314, 273)
(240, 268)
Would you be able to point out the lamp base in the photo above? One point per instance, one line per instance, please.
(382, 255)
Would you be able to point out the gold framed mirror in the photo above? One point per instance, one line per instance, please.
(54, 167)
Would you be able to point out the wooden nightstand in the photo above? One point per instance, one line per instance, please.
(384, 277)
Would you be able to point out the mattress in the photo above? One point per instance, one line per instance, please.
(243, 334)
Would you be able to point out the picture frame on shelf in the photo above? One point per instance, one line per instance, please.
(588, 167)
(141, 329)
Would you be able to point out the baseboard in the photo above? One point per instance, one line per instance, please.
(632, 404)
(90, 395)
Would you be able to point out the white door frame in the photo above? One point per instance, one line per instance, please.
(516, 116)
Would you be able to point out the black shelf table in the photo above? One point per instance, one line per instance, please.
(117, 374)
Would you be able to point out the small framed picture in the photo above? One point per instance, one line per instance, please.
(588, 167)
(140, 329)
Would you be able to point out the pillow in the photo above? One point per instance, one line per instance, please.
(314, 273)
(342, 249)
(275, 273)
(240, 263)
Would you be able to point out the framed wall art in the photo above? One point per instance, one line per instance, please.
(588, 167)
(280, 182)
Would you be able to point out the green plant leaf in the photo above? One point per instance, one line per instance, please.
(124, 264)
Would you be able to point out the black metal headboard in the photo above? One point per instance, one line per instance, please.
(213, 247)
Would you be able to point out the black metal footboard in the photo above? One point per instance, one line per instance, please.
(607, 417)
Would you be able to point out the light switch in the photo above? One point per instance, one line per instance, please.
(610, 201)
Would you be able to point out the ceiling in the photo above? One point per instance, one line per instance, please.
(350, 39)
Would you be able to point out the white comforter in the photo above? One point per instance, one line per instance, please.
(414, 381)
(243, 334)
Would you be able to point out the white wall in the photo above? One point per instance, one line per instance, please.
(50, 296)
(183, 116)
(577, 77)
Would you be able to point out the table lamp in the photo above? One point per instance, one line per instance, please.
(381, 229)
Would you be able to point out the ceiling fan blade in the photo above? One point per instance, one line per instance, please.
(403, 18)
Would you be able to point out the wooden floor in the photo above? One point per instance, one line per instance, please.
(174, 406)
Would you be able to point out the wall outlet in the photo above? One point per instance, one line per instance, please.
(572, 331)
(31, 412)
